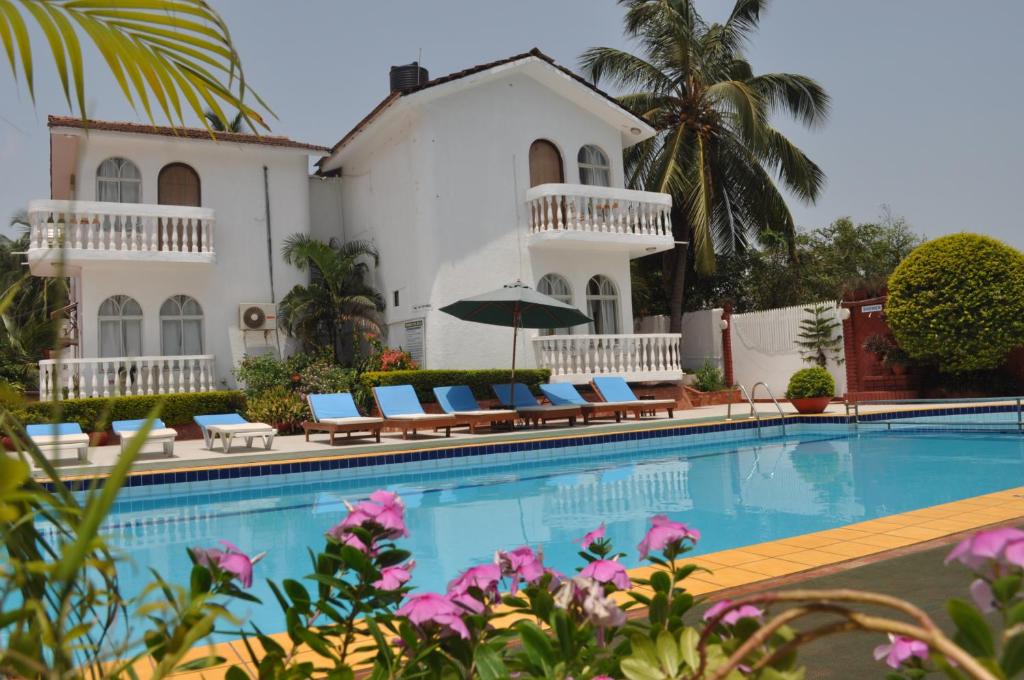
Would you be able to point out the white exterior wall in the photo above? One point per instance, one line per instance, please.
(443, 197)
(231, 179)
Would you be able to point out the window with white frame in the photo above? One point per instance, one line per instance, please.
(595, 169)
(556, 286)
(181, 326)
(118, 180)
(120, 324)
(603, 305)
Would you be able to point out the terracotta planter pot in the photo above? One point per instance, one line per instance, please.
(899, 369)
(811, 404)
(98, 438)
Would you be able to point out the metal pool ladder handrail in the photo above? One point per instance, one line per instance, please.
(1018, 401)
(746, 395)
(753, 391)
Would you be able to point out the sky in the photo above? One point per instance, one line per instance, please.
(926, 94)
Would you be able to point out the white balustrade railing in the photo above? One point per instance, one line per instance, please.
(117, 376)
(120, 227)
(653, 356)
(598, 210)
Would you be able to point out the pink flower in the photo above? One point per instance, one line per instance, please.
(392, 578)
(607, 571)
(987, 546)
(745, 611)
(231, 560)
(664, 531)
(431, 609)
(600, 609)
(345, 537)
(589, 538)
(483, 576)
(520, 564)
(984, 598)
(384, 509)
(899, 650)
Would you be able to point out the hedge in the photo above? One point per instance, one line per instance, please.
(96, 414)
(958, 302)
(480, 381)
(811, 382)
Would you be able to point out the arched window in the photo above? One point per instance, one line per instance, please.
(545, 164)
(178, 184)
(120, 322)
(181, 326)
(603, 305)
(557, 286)
(118, 180)
(595, 169)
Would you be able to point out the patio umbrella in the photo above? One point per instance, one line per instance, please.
(519, 306)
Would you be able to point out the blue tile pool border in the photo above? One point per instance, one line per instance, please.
(343, 462)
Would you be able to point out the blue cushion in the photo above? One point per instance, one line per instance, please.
(456, 398)
(614, 388)
(522, 396)
(563, 394)
(219, 419)
(397, 400)
(135, 425)
(52, 429)
(338, 405)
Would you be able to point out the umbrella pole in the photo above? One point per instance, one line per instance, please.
(515, 333)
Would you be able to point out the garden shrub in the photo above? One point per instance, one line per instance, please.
(261, 373)
(424, 381)
(958, 302)
(96, 414)
(709, 378)
(308, 373)
(279, 407)
(811, 382)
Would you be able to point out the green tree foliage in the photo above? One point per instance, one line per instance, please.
(811, 382)
(339, 298)
(817, 339)
(716, 150)
(958, 302)
(831, 261)
(168, 55)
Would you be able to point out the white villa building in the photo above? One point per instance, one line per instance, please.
(508, 170)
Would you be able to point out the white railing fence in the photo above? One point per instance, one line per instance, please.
(117, 376)
(581, 208)
(654, 355)
(138, 227)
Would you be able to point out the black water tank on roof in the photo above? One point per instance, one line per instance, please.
(408, 77)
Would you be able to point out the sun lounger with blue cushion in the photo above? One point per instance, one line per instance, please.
(615, 388)
(55, 438)
(333, 413)
(566, 394)
(158, 434)
(401, 408)
(458, 400)
(529, 409)
(227, 426)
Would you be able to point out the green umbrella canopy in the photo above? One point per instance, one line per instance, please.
(517, 305)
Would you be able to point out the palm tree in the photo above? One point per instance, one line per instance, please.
(715, 150)
(339, 297)
(216, 123)
(177, 54)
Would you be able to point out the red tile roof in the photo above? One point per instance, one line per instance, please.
(535, 52)
(188, 133)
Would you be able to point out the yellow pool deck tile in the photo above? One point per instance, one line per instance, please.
(887, 541)
(851, 549)
(729, 577)
(774, 566)
(734, 558)
(919, 532)
(771, 549)
(809, 540)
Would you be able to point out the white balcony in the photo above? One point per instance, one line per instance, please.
(636, 357)
(579, 216)
(119, 376)
(77, 232)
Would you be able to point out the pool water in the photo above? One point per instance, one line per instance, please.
(459, 511)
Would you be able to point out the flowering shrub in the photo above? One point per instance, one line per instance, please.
(279, 407)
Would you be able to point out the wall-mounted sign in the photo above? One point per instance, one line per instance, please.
(414, 340)
(867, 309)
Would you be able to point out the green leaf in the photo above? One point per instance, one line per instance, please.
(639, 669)
(659, 608)
(668, 652)
(973, 633)
(297, 592)
(201, 580)
(489, 665)
(1007, 587)
(200, 664)
(236, 673)
(1012, 661)
(661, 582)
(564, 633)
(688, 640)
(536, 644)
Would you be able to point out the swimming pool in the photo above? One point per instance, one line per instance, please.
(736, 488)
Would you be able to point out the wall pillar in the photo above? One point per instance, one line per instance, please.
(850, 353)
(727, 344)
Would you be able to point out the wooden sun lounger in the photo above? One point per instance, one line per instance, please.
(485, 418)
(535, 415)
(413, 418)
(333, 426)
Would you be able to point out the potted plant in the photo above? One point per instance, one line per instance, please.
(896, 359)
(811, 389)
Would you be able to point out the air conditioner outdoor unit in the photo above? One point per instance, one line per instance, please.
(257, 316)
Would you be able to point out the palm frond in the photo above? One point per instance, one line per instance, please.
(161, 53)
(799, 96)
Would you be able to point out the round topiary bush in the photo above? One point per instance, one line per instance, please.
(811, 382)
(958, 302)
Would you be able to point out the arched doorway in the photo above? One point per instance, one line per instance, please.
(545, 164)
(178, 184)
